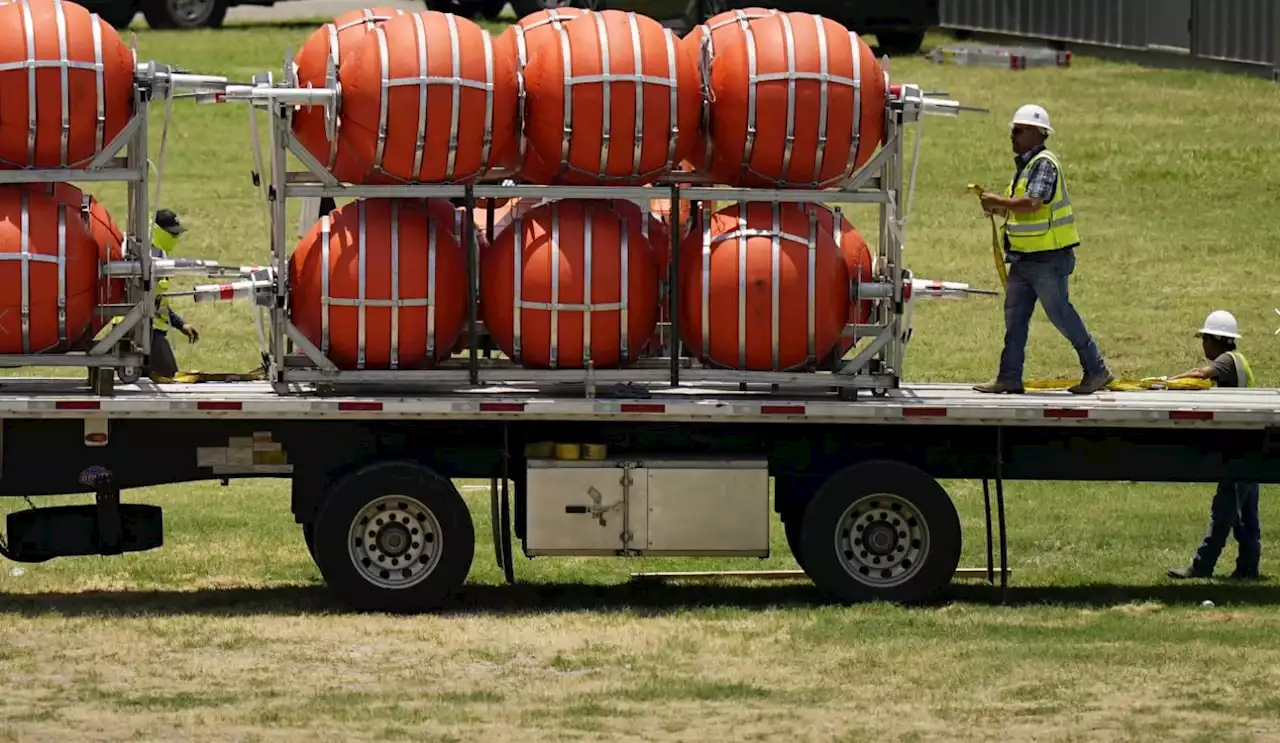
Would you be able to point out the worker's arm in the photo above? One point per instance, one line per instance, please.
(1041, 182)
(1209, 371)
(183, 326)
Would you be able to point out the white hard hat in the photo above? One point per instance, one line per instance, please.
(1220, 323)
(1032, 115)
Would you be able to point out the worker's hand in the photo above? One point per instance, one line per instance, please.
(992, 203)
(192, 334)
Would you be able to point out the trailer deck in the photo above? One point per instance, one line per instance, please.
(916, 404)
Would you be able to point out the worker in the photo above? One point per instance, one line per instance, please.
(164, 236)
(1235, 504)
(1040, 238)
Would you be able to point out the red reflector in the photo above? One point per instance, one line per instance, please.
(924, 412)
(359, 407)
(782, 410)
(642, 407)
(218, 405)
(1191, 415)
(1061, 413)
(77, 405)
(501, 407)
(96, 438)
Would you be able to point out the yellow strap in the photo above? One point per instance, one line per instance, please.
(996, 253)
(197, 377)
(1126, 385)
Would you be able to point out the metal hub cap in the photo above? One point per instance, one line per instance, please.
(882, 540)
(190, 11)
(394, 542)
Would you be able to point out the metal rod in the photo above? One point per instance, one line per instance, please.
(1004, 543)
(986, 502)
(473, 277)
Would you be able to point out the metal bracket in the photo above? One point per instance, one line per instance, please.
(110, 533)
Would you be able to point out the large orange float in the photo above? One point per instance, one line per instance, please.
(764, 291)
(72, 121)
(517, 39)
(857, 260)
(701, 42)
(796, 101)
(49, 269)
(610, 98)
(567, 282)
(332, 41)
(104, 231)
(446, 99)
(409, 283)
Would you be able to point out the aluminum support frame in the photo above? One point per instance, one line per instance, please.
(876, 366)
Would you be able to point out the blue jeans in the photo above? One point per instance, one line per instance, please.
(1043, 277)
(1235, 508)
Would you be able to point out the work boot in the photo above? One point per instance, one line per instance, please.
(1092, 383)
(1000, 388)
(1190, 571)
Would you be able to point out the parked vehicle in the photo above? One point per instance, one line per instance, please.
(898, 25)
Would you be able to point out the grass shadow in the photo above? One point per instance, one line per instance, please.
(638, 598)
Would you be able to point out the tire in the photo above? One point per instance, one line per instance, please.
(119, 15)
(912, 520)
(366, 572)
(526, 7)
(309, 536)
(900, 43)
(184, 14)
(793, 529)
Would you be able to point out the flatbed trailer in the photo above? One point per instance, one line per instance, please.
(681, 472)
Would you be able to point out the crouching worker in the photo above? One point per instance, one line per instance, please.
(1235, 505)
(164, 365)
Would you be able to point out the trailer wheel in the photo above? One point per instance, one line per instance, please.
(395, 537)
(309, 536)
(881, 530)
(793, 530)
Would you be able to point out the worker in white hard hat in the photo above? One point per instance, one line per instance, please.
(1040, 239)
(1235, 504)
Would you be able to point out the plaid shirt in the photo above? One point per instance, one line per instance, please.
(1043, 178)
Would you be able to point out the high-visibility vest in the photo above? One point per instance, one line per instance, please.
(1244, 374)
(1050, 227)
(160, 320)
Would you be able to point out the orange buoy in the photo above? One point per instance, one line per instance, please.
(104, 231)
(517, 39)
(49, 268)
(700, 43)
(570, 281)
(857, 260)
(380, 284)
(334, 40)
(611, 98)
(64, 110)
(796, 100)
(446, 100)
(762, 291)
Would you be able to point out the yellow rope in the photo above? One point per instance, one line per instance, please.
(1126, 385)
(996, 253)
(197, 377)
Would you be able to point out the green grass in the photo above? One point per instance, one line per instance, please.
(228, 633)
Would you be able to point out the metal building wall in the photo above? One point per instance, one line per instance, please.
(1239, 31)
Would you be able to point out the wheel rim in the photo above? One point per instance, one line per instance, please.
(190, 11)
(395, 542)
(882, 540)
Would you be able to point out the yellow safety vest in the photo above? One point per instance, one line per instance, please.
(1050, 227)
(1242, 365)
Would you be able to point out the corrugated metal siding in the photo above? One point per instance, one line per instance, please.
(1245, 31)
(1236, 30)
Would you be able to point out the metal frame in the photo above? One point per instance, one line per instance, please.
(126, 348)
(292, 362)
(128, 344)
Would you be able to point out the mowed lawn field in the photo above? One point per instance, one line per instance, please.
(227, 633)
